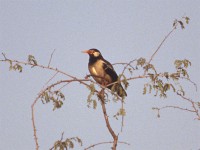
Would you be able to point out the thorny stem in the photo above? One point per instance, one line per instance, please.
(38, 97)
(33, 122)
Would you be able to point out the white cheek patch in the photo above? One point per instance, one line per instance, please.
(96, 54)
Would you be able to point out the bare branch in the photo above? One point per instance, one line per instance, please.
(194, 110)
(50, 79)
(192, 103)
(166, 37)
(114, 136)
(195, 85)
(33, 122)
(126, 65)
(51, 57)
(4, 55)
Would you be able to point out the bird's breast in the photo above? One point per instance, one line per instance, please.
(93, 71)
(98, 73)
(96, 69)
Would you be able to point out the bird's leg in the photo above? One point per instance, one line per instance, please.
(87, 76)
(101, 94)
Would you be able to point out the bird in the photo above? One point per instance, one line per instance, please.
(103, 72)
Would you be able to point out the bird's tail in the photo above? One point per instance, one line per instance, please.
(118, 89)
(121, 92)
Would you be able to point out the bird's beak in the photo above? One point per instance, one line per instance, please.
(86, 51)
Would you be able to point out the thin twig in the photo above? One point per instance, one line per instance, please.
(51, 57)
(33, 122)
(195, 85)
(193, 104)
(4, 55)
(151, 58)
(105, 143)
(50, 79)
(162, 42)
(128, 64)
(122, 122)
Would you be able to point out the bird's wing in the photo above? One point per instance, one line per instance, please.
(110, 71)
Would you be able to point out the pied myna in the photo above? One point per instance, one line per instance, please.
(103, 72)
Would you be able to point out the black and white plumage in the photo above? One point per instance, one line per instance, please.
(103, 72)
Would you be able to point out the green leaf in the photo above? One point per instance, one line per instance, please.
(173, 87)
(187, 20)
(144, 90)
(94, 104)
(151, 76)
(175, 23)
(178, 63)
(186, 63)
(182, 25)
(175, 76)
(71, 144)
(32, 60)
(166, 87)
(150, 88)
(122, 112)
(79, 141)
(160, 84)
(166, 74)
(124, 81)
(10, 68)
(198, 103)
(141, 61)
(46, 97)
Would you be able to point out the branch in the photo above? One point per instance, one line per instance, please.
(162, 42)
(50, 79)
(152, 56)
(188, 79)
(38, 97)
(126, 65)
(44, 67)
(51, 57)
(33, 122)
(114, 136)
(195, 110)
(105, 143)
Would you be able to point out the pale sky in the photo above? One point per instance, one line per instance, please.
(122, 30)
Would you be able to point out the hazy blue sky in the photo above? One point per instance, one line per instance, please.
(123, 30)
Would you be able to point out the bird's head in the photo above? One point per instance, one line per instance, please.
(95, 53)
